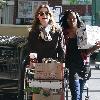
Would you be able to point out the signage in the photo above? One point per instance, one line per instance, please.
(76, 2)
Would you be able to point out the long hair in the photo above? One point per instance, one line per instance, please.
(64, 23)
(36, 21)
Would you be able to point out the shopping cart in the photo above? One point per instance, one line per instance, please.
(11, 49)
(66, 86)
(45, 76)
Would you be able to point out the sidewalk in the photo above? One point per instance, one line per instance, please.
(94, 84)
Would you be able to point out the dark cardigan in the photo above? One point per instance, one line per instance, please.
(46, 49)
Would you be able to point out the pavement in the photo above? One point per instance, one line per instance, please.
(93, 85)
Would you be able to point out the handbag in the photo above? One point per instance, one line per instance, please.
(85, 72)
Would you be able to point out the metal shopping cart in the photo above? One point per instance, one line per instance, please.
(97, 60)
(11, 49)
(45, 80)
(66, 85)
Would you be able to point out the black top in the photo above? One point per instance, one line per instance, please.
(73, 54)
(74, 59)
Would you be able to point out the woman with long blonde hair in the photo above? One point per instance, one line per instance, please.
(45, 38)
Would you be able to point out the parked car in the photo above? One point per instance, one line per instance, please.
(97, 60)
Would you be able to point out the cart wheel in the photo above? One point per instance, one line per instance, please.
(97, 66)
(86, 97)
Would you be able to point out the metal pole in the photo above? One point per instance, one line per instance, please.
(93, 12)
(0, 15)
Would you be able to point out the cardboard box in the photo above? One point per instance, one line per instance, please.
(51, 97)
(88, 38)
(53, 71)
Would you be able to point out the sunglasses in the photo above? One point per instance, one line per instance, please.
(44, 13)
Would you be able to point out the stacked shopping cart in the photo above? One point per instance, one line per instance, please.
(11, 49)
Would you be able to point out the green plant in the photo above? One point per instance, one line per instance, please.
(37, 90)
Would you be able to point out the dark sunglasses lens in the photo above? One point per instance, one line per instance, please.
(42, 13)
(47, 13)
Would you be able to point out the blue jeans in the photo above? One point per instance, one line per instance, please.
(76, 88)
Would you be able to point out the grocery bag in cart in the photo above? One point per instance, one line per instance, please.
(87, 36)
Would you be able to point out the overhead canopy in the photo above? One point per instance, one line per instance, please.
(14, 30)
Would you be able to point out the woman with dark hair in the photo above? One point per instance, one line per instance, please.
(45, 38)
(75, 59)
